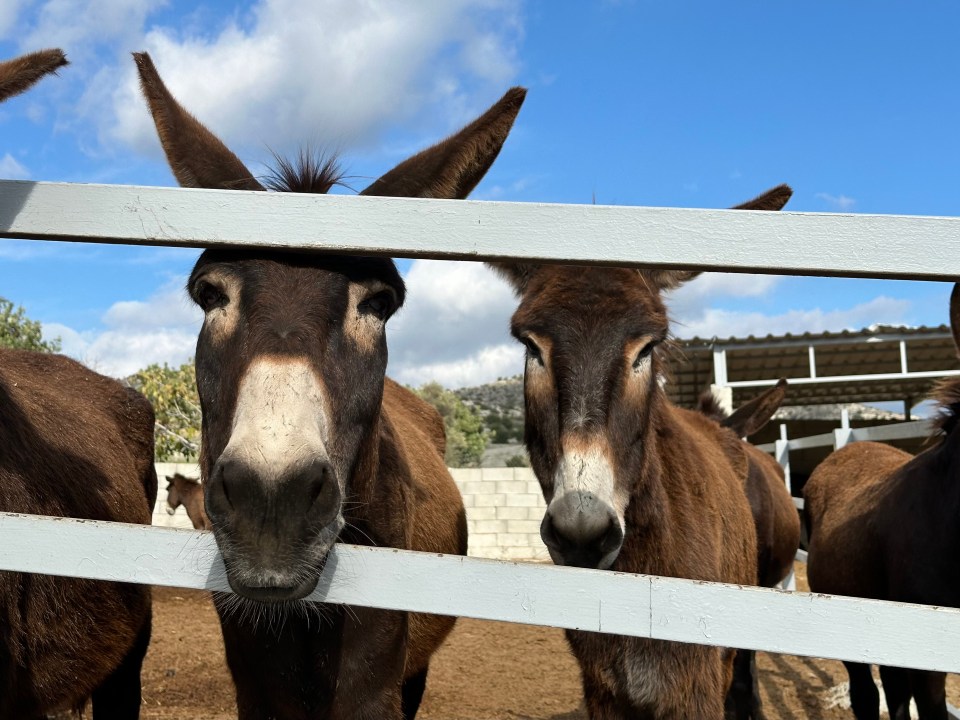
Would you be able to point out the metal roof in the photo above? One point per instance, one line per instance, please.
(849, 367)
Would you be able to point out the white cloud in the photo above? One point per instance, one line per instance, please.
(837, 202)
(454, 327)
(9, 10)
(11, 169)
(335, 72)
(713, 322)
(693, 297)
(161, 329)
(77, 25)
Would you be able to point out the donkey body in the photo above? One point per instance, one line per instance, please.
(777, 524)
(306, 444)
(188, 492)
(881, 526)
(72, 444)
(633, 483)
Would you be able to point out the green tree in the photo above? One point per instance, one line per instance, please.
(466, 436)
(19, 331)
(173, 393)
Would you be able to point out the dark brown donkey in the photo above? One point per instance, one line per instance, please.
(305, 443)
(777, 524)
(632, 483)
(188, 492)
(72, 444)
(883, 525)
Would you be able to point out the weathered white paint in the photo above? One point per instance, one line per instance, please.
(639, 605)
(739, 241)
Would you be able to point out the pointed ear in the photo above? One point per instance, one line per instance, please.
(451, 169)
(955, 316)
(20, 73)
(196, 156)
(517, 274)
(669, 279)
(752, 416)
(773, 199)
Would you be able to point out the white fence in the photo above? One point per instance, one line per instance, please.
(666, 608)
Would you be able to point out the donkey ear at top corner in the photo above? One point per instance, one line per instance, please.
(517, 274)
(955, 316)
(772, 199)
(452, 168)
(670, 279)
(20, 73)
(196, 156)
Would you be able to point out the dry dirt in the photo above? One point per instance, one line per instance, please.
(485, 671)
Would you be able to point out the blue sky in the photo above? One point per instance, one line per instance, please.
(634, 103)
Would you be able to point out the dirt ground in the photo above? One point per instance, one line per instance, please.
(515, 672)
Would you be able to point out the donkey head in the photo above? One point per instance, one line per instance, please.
(292, 353)
(20, 73)
(592, 386)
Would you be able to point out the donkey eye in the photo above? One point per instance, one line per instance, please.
(644, 353)
(533, 352)
(379, 305)
(209, 296)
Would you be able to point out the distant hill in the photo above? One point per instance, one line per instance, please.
(500, 404)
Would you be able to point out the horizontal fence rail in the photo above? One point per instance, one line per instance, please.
(727, 240)
(637, 605)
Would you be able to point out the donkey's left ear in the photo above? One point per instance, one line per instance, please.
(20, 73)
(772, 199)
(669, 279)
(517, 274)
(452, 168)
(955, 316)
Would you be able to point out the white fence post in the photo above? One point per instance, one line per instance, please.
(781, 453)
(843, 435)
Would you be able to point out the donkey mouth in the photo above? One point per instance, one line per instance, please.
(274, 593)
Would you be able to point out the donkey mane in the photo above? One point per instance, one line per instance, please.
(315, 172)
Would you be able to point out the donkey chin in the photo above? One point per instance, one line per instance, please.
(276, 569)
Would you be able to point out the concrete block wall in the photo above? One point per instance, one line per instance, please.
(504, 509)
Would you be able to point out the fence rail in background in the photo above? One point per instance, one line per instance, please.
(666, 608)
(536, 594)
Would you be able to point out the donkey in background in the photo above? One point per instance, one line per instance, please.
(632, 483)
(304, 441)
(72, 444)
(882, 526)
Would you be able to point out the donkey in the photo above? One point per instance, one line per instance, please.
(72, 444)
(880, 527)
(305, 443)
(188, 492)
(632, 483)
(777, 524)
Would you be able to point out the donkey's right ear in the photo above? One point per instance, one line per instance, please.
(773, 199)
(20, 73)
(955, 316)
(517, 274)
(196, 156)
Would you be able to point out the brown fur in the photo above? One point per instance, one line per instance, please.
(19, 74)
(384, 440)
(592, 380)
(72, 444)
(880, 527)
(776, 520)
(188, 492)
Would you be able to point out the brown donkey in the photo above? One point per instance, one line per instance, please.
(632, 483)
(777, 524)
(188, 492)
(881, 526)
(72, 444)
(304, 442)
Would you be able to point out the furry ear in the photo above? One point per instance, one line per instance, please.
(452, 168)
(196, 156)
(669, 279)
(20, 73)
(772, 199)
(517, 274)
(752, 416)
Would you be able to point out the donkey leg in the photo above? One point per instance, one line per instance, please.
(743, 698)
(118, 697)
(929, 690)
(411, 693)
(864, 696)
(896, 690)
